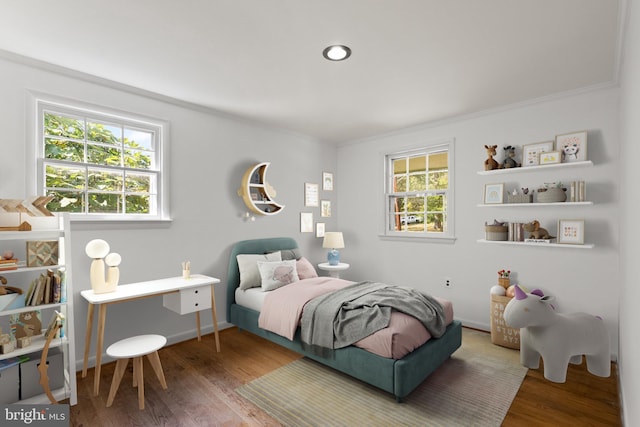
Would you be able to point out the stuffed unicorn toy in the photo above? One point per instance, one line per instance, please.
(558, 338)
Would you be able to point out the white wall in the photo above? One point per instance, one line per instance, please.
(630, 240)
(581, 280)
(209, 154)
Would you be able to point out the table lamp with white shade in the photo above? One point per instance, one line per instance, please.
(333, 240)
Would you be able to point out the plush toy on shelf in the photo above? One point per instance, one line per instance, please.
(491, 163)
(510, 158)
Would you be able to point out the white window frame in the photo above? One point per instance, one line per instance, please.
(447, 236)
(39, 103)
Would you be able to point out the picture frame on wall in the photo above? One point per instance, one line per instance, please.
(550, 158)
(327, 181)
(320, 229)
(493, 193)
(325, 208)
(306, 222)
(571, 231)
(531, 152)
(573, 146)
(310, 194)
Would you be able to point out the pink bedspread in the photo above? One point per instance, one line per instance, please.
(282, 309)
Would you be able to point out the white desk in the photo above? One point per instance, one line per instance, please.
(140, 290)
(334, 270)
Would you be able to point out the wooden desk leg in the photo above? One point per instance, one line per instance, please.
(99, 342)
(198, 325)
(215, 318)
(87, 340)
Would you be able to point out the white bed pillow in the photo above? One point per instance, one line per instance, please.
(277, 274)
(248, 267)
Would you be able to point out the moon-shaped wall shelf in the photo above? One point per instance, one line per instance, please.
(257, 194)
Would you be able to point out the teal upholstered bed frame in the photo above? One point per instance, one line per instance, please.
(398, 377)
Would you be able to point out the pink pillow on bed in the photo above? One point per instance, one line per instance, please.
(305, 269)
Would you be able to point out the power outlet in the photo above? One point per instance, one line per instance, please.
(447, 282)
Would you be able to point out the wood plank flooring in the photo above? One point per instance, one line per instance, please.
(202, 383)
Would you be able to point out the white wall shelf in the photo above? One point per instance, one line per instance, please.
(537, 168)
(502, 205)
(543, 245)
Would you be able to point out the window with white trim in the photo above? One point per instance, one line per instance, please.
(99, 165)
(419, 192)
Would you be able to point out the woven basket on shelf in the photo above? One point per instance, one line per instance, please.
(496, 232)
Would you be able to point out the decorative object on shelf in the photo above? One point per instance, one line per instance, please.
(42, 253)
(496, 231)
(33, 206)
(24, 226)
(7, 347)
(98, 249)
(333, 240)
(493, 193)
(510, 158)
(186, 269)
(550, 158)
(535, 231)
(531, 152)
(327, 181)
(573, 146)
(8, 254)
(558, 338)
(503, 278)
(23, 342)
(26, 324)
(516, 196)
(258, 195)
(552, 193)
(571, 231)
(491, 163)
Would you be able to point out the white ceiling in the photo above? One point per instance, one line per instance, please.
(413, 61)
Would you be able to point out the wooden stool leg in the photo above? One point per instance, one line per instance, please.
(154, 359)
(121, 365)
(140, 380)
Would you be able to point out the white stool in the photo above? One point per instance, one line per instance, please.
(136, 347)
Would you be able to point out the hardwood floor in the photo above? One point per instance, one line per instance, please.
(202, 383)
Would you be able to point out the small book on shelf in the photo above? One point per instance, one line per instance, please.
(8, 264)
(538, 240)
(56, 320)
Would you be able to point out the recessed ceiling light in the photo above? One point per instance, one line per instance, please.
(336, 53)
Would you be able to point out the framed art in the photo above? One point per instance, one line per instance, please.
(550, 158)
(571, 231)
(306, 222)
(310, 194)
(327, 181)
(493, 193)
(319, 229)
(325, 208)
(42, 253)
(573, 146)
(531, 152)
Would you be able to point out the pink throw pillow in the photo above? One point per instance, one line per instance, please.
(305, 269)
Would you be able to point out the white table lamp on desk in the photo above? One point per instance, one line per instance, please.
(333, 240)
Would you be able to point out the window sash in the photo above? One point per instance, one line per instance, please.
(128, 192)
(414, 209)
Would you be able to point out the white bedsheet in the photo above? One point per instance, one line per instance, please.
(251, 298)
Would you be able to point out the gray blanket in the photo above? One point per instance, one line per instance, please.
(346, 316)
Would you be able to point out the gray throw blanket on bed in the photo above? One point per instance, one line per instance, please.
(343, 317)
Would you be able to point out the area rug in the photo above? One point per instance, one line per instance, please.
(475, 387)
